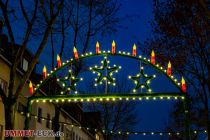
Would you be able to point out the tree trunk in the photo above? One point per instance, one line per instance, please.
(9, 113)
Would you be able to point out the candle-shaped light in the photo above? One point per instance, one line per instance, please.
(184, 88)
(58, 61)
(44, 72)
(31, 90)
(153, 57)
(134, 50)
(169, 68)
(97, 48)
(113, 47)
(76, 53)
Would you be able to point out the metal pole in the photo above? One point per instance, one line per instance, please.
(140, 78)
(70, 79)
(106, 84)
(186, 113)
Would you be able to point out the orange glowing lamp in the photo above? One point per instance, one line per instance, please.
(184, 88)
(153, 57)
(97, 47)
(169, 68)
(113, 47)
(44, 72)
(76, 53)
(31, 90)
(134, 50)
(58, 61)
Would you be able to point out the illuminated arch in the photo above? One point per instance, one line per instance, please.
(181, 95)
(145, 60)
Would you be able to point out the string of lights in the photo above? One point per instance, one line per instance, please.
(143, 133)
(139, 84)
(107, 70)
(107, 97)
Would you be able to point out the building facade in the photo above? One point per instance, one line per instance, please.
(42, 113)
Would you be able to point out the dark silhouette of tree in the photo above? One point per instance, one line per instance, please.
(48, 11)
(85, 21)
(115, 116)
(181, 35)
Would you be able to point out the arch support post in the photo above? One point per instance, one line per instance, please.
(187, 117)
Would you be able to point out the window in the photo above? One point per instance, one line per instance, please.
(1, 132)
(21, 108)
(52, 127)
(62, 127)
(73, 136)
(97, 137)
(25, 64)
(39, 115)
(67, 134)
(3, 85)
(48, 121)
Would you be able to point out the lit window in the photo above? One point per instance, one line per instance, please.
(25, 65)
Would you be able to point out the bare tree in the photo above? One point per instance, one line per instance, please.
(181, 35)
(30, 19)
(79, 17)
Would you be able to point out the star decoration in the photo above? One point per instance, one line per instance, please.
(105, 72)
(142, 80)
(69, 83)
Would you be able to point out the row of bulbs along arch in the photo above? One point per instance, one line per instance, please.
(109, 71)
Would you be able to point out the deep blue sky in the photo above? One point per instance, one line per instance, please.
(152, 115)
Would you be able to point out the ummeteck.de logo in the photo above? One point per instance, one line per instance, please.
(32, 133)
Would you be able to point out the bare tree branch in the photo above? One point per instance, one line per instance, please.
(38, 52)
(24, 12)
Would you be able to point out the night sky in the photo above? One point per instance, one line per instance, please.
(152, 115)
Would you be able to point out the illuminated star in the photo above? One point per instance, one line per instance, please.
(69, 83)
(142, 80)
(105, 72)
